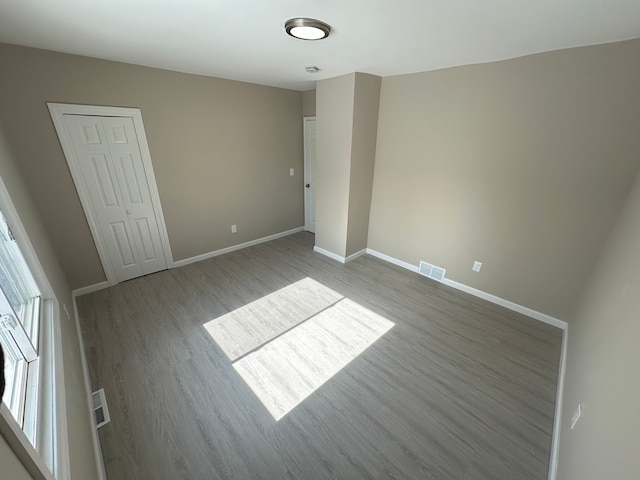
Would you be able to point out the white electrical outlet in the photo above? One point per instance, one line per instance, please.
(291, 172)
(576, 415)
(234, 229)
(476, 266)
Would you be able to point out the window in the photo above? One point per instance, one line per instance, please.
(33, 409)
(19, 328)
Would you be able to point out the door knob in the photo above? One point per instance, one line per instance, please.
(307, 185)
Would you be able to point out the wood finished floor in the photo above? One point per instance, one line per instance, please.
(458, 389)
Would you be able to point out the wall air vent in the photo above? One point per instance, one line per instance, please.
(100, 409)
(431, 271)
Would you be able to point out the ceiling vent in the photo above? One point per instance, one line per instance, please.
(431, 271)
(100, 410)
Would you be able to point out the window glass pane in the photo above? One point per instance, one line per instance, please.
(17, 283)
(15, 374)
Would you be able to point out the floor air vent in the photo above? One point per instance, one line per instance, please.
(431, 271)
(100, 409)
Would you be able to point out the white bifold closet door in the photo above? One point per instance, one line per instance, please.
(113, 171)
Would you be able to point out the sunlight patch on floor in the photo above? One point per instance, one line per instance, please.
(289, 343)
(254, 324)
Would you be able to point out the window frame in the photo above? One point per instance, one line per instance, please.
(51, 434)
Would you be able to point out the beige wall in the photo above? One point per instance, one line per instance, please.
(334, 127)
(221, 151)
(346, 123)
(521, 164)
(363, 153)
(309, 103)
(80, 442)
(603, 357)
(12, 468)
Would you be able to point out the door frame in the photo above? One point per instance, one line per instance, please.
(57, 111)
(307, 174)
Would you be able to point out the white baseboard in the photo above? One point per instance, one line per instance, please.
(507, 304)
(233, 248)
(479, 293)
(395, 261)
(90, 289)
(337, 257)
(99, 286)
(329, 254)
(353, 256)
(95, 439)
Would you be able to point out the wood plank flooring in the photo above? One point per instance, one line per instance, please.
(457, 389)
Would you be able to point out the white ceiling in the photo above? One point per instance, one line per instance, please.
(245, 39)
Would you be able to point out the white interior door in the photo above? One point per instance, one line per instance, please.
(310, 174)
(112, 169)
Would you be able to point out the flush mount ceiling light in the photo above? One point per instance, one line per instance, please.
(307, 29)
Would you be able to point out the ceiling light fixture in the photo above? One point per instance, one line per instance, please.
(307, 29)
